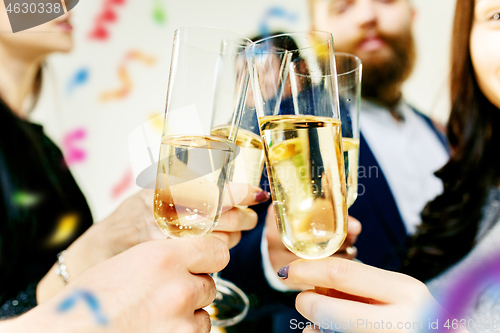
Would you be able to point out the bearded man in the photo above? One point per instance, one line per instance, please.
(396, 140)
(400, 149)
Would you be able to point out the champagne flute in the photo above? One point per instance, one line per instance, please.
(349, 70)
(296, 96)
(207, 89)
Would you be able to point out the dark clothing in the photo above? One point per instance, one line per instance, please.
(38, 197)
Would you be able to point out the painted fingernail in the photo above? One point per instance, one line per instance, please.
(262, 196)
(283, 272)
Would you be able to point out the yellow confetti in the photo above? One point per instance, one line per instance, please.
(65, 229)
(156, 120)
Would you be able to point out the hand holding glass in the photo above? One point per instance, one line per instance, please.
(207, 88)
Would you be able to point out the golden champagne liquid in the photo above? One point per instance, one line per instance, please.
(306, 170)
(351, 158)
(192, 173)
(249, 162)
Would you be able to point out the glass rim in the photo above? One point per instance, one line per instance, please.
(208, 27)
(325, 41)
(349, 55)
(358, 61)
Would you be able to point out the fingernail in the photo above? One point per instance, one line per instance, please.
(262, 196)
(283, 272)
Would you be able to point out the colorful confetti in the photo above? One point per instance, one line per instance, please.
(65, 229)
(89, 299)
(124, 184)
(278, 12)
(74, 154)
(106, 16)
(463, 292)
(25, 199)
(124, 75)
(156, 120)
(159, 12)
(80, 77)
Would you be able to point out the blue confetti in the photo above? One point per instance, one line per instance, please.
(79, 78)
(278, 12)
(91, 301)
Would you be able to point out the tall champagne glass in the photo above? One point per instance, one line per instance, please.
(349, 70)
(295, 90)
(206, 90)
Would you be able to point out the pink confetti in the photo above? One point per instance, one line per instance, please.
(124, 184)
(106, 16)
(73, 154)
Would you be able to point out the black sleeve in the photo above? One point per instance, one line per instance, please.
(23, 302)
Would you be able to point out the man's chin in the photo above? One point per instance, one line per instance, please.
(380, 55)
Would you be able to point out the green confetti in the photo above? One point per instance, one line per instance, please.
(25, 199)
(159, 14)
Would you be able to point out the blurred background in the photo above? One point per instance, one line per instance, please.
(116, 77)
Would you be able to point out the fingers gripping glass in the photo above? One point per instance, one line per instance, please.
(206, 91)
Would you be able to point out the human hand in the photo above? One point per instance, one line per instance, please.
(280, 256)
(351, 292)
(158, 286)
(131, 223)
(236, 217)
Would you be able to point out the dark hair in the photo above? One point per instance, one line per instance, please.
(450, 222)
(37, 86)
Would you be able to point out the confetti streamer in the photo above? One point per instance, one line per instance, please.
(72, 154)
(78, 79)
(124, 184)
(272, 12)
(91, 302)
(106, 16)
(461, 295)
(124, 76)
(65, 229)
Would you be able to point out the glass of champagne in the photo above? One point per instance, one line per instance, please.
(295, 90)
(207, 89)
(349, 70)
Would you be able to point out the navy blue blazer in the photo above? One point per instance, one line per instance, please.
(380, 244)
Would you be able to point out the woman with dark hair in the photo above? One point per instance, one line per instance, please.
(460, 230)
(39, 198)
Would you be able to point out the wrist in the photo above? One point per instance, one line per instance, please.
(85, 252)
(46, 319)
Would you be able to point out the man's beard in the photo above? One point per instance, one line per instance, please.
(383, 75)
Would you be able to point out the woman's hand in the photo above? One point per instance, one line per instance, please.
(351, 292)
(133, 223)
(280, 256)
(159, 286)
(236, 217)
